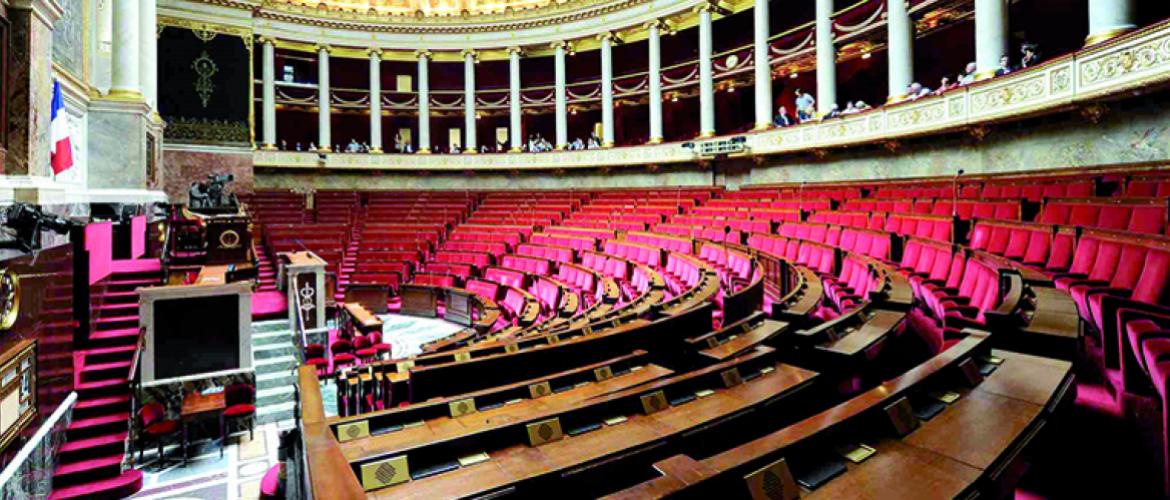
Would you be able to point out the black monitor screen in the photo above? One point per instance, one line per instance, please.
(196, 335)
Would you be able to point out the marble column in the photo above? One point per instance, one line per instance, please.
(324, 102)
(148, 51)
(469, 139)
(562, 104)
(1110, 18)
(424, 102)
(268, 95)
(900, 33)
(606, 89)
(826, 57)
(515, 128)
(654, 75)
(706, 73)
(375, 100)
(127, 72)
(29, 88)
(762, 54)
(991, 36)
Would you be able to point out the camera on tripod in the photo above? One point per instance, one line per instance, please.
(210, 194)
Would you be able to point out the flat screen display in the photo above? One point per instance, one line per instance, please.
(196, 335)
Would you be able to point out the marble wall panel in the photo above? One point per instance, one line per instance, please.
(181, 167)
(117, 146)
(69, 37)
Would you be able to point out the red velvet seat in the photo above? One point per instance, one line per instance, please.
(315, 356)
(240, 402)
(155, 426)
(342, 354)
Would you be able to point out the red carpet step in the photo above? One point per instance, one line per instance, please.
(91, 460)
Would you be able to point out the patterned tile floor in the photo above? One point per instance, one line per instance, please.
(207, 476)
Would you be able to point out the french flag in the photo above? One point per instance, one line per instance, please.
(60, 148)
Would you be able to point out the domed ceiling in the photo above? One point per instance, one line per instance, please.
(425, 7)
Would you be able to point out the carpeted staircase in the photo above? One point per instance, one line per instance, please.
(266, 269)
(91, 460)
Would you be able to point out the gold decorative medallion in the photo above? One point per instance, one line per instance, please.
(603, 373)
(229, 239)
(731, 378)
(462, 407)
(385, 473)
(539, 390)
(902, 416)
(773, 482)
(544, 431)
(654, 402)
(9, 298)
(356, 430)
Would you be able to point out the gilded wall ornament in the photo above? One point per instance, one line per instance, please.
(205, 68)
(9, 299)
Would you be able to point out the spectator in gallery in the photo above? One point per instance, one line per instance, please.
(944, 85)
(916, 90)
(594, 141)
(353, 146)
(968, 75)
(862, 106)
(398, 145)
(850, 109)
(1030, 55)
(834, 112)
(804, 105)
(782, 119)
(312, 146)
(1005, 66)
(283, 145)
(298, 146)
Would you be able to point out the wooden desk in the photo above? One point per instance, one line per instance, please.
(741, 338)
(879, 325)
(518, 465)
(212, 275)
(919, 473)
(448, 428)
(196, 406)
(363, 320)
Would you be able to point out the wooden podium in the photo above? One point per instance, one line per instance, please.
(303, 277)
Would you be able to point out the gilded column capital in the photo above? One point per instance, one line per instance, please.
(266, 40)
(609, 35)
(655, 23)
(711, 6)
(324, 47)
(374, 51)
(559, 44)
(469, 52)
(516, 50)
(422, 54)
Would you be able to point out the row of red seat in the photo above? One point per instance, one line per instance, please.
(553, 253)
